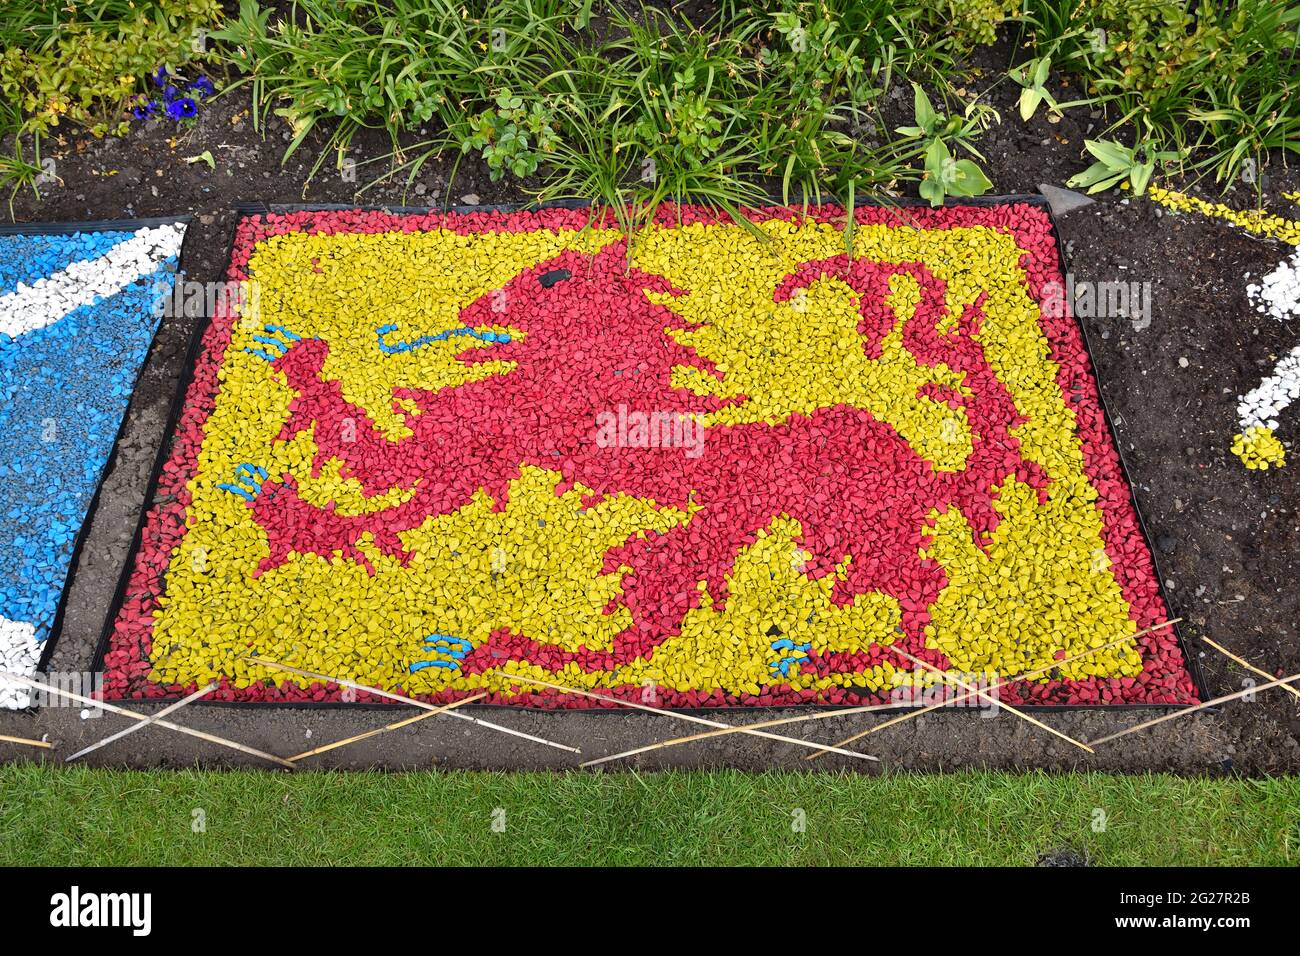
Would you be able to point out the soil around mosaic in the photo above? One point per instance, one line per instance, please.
(386, 431)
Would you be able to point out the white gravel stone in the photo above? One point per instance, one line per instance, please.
(19, 654)
(1278, 293)
(1262, 404)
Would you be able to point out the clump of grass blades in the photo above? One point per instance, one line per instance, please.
(639, 107)
(16, 170)
(1216, 82)
(727, 113)
(395, 65)
(657, 113)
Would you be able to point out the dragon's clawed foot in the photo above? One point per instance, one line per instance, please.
(278, 340)
(446, 652)
(247, 481)
(790, 653)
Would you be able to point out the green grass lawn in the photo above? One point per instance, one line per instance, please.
(80, 816)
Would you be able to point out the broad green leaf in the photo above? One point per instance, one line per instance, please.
(1040, 74)
(1140, 176)
(936, 155)
(1112, 154)
(971, 181)
(1029, 100)
(1107, 183)
(925, 115)
(1092, 175)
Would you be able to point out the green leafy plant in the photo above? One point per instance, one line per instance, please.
(512, 138)
(822, 70)
(820, 53)
(203, 157)
(1118, 164)
(674, 102)
(626, 106)
(968, 23)
(78, 64)
(944, 174)
(680, 118)
(17, 169)
(83, 63)
(394, 65)
(1031, 77)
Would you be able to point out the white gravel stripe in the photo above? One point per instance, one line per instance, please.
(19, 654)
(1262, 404)
(81, 283)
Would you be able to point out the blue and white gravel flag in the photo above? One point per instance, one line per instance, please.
(77, 315)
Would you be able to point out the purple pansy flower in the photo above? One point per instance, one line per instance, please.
(143, 108)
(203, 86)
(182, 108)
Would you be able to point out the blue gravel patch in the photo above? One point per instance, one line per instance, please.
(64, 390)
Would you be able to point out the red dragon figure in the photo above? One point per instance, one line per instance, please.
(592, 341)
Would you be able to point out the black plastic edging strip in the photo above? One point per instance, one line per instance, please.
(83, 532)
(93, 225)
(244, 210)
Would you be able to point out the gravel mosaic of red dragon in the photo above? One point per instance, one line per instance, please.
(590, 334)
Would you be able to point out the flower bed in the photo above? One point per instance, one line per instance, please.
(724, 470)
(77, 315)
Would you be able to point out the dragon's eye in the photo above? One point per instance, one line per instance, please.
(548, 279)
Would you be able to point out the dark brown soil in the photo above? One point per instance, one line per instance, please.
(1228, 538)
